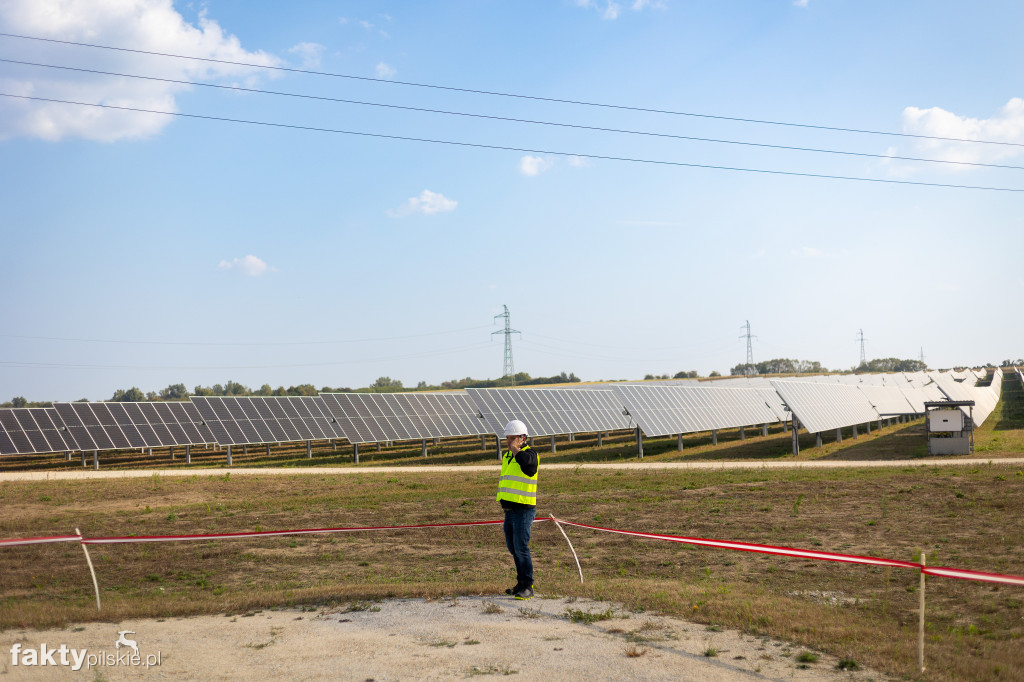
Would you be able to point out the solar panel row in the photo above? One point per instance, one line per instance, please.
(377, 417)
(822, 407)
(32, 430)
(277, 419)
(123, 426)
(668, 410)
(548, 411)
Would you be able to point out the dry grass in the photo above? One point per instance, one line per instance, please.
(972, 518)
(960, 516)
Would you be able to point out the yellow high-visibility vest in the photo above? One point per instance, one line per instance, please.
(514, 485)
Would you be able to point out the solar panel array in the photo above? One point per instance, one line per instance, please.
(823, 407)
(984, 397)
(32, 430)
(377, 417)
(820, 404)
(888, 401)
(123, 426)
(549, 412)
(668, 410)
(244, 420)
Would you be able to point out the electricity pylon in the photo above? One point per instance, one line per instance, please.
(508, 369)
(750, 348)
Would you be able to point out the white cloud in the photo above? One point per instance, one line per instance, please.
(807, 252)
(152, 25)
(610, 9)
(1007, 125)
(250, 265)
(640, 5)
(534, 165)
(427, 203)
(309, 53)
(385, 71)
(366, 25)
(578, 162)
(801, 3)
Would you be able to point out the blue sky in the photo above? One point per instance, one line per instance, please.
(145, 250)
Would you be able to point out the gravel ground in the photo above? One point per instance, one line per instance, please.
(419, 639)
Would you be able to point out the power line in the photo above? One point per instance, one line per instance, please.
(512, 95)
(233, 344)
(477, 145)
(490, 117)
(411, 356)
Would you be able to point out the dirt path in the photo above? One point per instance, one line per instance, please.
(416, 640)
(331, 471)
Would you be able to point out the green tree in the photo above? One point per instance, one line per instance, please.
(174, 392)
(386, 385)
(132, 395)
(19, 401)
(304, 389)
(235, 388)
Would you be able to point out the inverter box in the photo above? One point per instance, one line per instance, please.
(945, 420)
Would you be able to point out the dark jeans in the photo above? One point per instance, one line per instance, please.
(518, 523)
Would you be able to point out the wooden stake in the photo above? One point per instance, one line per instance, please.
(95, 584)
(920, 622)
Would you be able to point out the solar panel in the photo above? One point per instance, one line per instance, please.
(247, 420)
(314, 414)
(32, 430)
(377, 417)
(547, 411)
(84, 427)
(222, 423)
(822, 407)
(123, 426)
(668, 410)
(888, 400)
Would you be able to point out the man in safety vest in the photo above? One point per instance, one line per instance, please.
(517, 493)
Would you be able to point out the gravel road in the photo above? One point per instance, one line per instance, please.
(419, 639)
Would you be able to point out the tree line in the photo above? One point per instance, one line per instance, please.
(787, 366)
(177, 392)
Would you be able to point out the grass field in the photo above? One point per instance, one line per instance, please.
(966, 517)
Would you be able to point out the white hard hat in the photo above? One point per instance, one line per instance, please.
(515, 428)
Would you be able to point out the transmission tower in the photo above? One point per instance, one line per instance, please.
(922, 355)
(860, 337)
(750, 348)
(508, 370)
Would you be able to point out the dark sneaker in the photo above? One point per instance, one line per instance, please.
(512, 590)
(523, 593)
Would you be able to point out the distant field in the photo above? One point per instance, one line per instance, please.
(966, 517)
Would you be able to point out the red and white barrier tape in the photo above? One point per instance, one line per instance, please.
(39, 541)
(750, 547)
(234, 536)
(961, 574)
(810, 554)
(272, 533)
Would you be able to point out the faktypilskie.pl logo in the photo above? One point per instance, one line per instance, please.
(126, 653)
